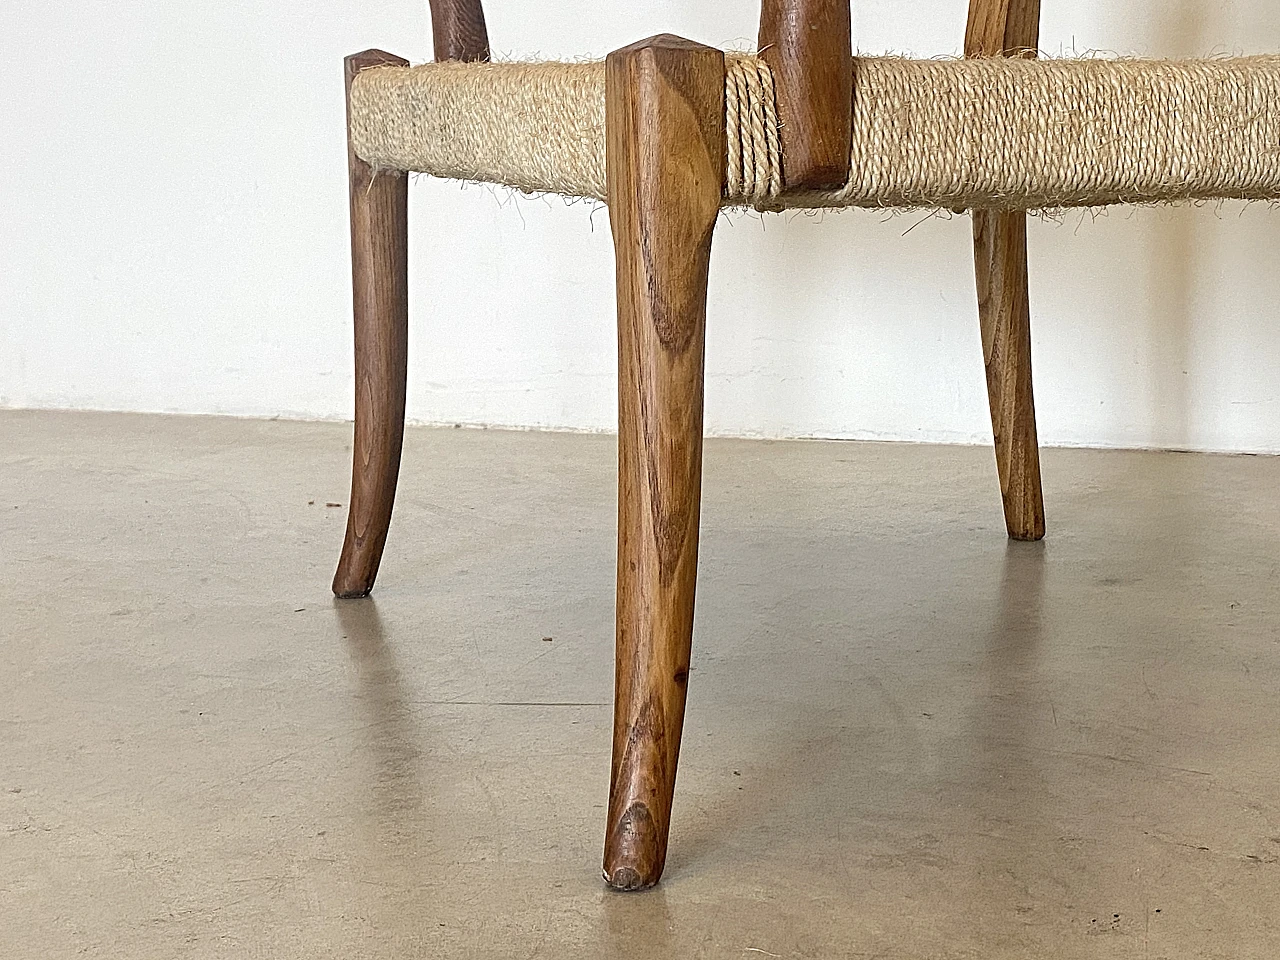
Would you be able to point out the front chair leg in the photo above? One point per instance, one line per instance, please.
(665, 176)
(380, 282)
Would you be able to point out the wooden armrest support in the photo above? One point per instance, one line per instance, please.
(807, 45)
(1002, 28)
(458, 31)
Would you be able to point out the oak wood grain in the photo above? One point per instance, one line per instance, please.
(665, 175)
(380, 297)
(808, 46)
(1008, 28)
(458, 30)
(1002, 28)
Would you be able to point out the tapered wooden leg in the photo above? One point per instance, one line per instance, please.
(665, 173)
(1000, 261)
(379, 274)
(1008, 28)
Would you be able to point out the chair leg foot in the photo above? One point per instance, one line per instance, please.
(665, 170)
(379, 272)
(1000, 262)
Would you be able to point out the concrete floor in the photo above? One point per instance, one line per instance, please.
(907, 738)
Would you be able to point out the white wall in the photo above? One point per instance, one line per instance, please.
(173, 216)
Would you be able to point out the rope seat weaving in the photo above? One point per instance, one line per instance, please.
(998, 133)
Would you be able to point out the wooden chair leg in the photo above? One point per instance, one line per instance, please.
(1000, 261)
(665, 175)
(379, 274)
(1008, 28)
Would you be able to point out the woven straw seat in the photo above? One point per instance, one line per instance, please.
(986, 133)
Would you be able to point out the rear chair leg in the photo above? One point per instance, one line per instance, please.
(1000, 261)
(379, 274)
(1008, 28)
(665, 175)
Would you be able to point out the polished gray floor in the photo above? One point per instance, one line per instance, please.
(907, 738)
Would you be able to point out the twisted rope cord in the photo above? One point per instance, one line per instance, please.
(753, 154)
(771, 125)
(733, 126)
(996, 133)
